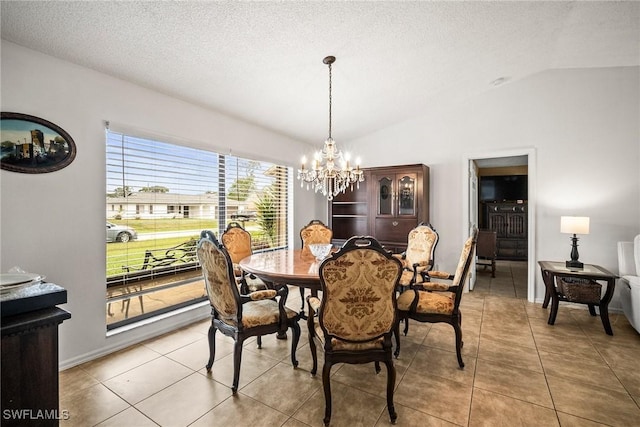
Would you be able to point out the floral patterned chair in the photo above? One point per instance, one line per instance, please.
(357, 314)
(312, 233)
(436, 301)
(237, 242)
(241, 316)
(417, 259)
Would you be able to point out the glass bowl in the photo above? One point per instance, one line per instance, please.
(320, 250)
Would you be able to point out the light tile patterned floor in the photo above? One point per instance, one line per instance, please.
(519, 372)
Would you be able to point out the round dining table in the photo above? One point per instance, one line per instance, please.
(284, 267)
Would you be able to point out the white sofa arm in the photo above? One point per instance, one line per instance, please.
(636, 253)
(626, 261)
(629, 283)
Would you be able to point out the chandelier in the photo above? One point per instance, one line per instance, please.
(330, 172)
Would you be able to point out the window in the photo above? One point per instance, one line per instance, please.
(167, 194)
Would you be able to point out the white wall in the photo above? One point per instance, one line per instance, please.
(584, 127)
(583, 124)
(53, 223)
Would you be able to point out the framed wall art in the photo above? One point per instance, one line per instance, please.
(29, 144)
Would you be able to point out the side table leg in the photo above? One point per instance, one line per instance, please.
(604, 305)
(604, 315)
(554, 309)
(550, 294)
(547, 297)
(549, 288)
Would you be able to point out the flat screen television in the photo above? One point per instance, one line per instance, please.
(503, 188)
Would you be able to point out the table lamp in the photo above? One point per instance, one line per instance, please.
(574, 225)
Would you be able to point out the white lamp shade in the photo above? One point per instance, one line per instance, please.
(574, 224)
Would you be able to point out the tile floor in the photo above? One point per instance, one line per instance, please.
(519, 372)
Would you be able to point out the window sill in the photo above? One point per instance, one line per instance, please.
(158, 318)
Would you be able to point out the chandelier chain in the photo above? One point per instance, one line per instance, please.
(330, 101)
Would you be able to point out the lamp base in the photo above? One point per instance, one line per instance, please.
(574, 264)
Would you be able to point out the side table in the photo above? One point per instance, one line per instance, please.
(552, 269)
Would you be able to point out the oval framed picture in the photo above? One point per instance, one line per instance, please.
(29, 144)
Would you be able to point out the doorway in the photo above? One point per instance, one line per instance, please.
(474, 215)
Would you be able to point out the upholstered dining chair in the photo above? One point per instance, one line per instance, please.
(241, 316)
(417, 259)
(437, 301)
(356, 315)
(312, 233)
(237, 242)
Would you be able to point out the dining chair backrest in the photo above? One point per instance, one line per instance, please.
(421, 245)
(237, 242)
(358, 292)
(314, 232)
(219, 279)
(462, 270)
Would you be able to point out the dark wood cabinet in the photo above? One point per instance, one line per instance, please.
(392, 201)
(30, 323)
(509, 220)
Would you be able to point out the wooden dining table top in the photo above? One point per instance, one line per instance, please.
(284, 266)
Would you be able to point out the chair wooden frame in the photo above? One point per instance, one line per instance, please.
(314, 232)
(348, 300)
(438, 302)
(228, 306)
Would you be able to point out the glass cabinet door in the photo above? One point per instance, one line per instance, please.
(385, 196)
(407, 196)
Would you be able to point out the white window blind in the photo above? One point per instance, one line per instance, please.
(169, 193)
(256, 197)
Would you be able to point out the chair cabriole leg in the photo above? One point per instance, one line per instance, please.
(237, 359)
(295, 329)
(459, 343)
(391, 381)
(396, 332)
(212, 346)
(326, 371)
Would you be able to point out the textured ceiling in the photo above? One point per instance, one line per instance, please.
(262, 61)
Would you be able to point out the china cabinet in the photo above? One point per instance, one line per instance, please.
(392, 201)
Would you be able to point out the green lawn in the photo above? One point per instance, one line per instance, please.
(131, 254)
(167, 224)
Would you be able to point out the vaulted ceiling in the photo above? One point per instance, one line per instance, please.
(262, 61)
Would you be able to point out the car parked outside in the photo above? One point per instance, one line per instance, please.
(120, 233)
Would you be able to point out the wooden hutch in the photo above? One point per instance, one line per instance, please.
(390, 202)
